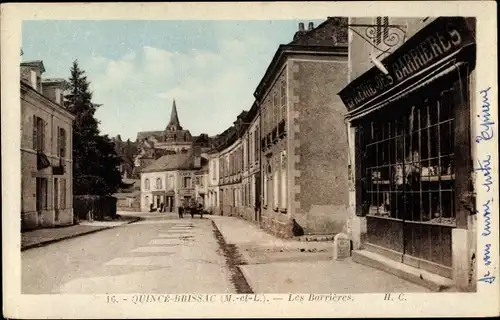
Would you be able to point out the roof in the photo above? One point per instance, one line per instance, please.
(328, 39)
(171, 162)
(54, 81)
(144, 134)
(34, 63)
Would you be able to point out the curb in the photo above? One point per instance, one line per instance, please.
(47, 242)
(238, 267)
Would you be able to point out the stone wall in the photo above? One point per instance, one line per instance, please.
(318, 145)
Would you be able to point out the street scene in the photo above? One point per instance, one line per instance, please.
(284, 156)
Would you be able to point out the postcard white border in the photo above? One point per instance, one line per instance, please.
(485, 302)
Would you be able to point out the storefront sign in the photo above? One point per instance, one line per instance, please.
(439, 39)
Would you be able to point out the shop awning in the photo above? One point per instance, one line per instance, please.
(439, 72)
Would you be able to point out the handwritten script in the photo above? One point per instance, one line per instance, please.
(485, 169)
(486, 124)
(486, 133)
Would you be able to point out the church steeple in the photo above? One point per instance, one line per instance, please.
(174, 124)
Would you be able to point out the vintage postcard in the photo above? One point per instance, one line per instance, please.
(180, 160)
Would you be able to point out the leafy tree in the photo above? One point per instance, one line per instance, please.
(94, 158)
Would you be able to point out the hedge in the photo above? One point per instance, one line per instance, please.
(94, 207)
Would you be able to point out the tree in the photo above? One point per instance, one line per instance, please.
(95, 162)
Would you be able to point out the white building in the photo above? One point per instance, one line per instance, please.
(169, 180)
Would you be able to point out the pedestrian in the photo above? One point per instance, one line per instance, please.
(181, 209)
(161, 207)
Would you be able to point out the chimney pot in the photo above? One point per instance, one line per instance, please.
(301, 26)
(311, 26)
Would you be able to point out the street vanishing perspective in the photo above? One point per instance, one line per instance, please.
(315, 158)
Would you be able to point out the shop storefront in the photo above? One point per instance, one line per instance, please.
(412, 147)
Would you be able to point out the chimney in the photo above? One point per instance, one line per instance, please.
(311, 26)
(54, 90)
(31, 72)
(301, 26)
(197, 156)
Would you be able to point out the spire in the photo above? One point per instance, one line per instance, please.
(174, 124)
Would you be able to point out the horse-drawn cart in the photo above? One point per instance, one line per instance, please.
(193, 208)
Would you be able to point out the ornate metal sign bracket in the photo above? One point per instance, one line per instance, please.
(388, 35)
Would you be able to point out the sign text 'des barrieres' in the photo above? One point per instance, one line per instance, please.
(428, 46)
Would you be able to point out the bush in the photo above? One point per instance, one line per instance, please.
(94, 207)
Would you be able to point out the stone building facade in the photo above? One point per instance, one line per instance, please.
(213, 182)
(46, 151)
(231, 172)
(302, 134)
(410, 104)
(251, 185)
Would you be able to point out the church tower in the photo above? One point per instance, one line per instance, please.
(174, 124)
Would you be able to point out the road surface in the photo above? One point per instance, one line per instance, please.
(159, 254)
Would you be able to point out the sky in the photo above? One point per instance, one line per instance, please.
(137, 68)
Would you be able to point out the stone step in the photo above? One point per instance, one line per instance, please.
(315, 238)
(421, 277)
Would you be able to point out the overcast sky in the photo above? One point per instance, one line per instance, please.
(136, 68)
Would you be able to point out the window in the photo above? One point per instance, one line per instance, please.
(61, 143)
(409, 166)
(250, 148)
(41, 194)
(214, 177)
(201, 181)
(276, 110)
(38, 134)
(197, 181)
(158, 183)
(146, 184)
(283, 100)
(256, 144)
(276, 184)
(283, 198)
(186, 182)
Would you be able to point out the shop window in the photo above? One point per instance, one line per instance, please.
(408, 163)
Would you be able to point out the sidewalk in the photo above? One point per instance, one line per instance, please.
(274, 265)
(42, 237)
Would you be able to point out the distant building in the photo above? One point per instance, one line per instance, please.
(174, 139)
(201, 184)
(251, 179)
(46, 151)
(170, 179)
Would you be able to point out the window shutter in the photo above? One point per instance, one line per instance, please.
(35, 135)
(58, 141)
